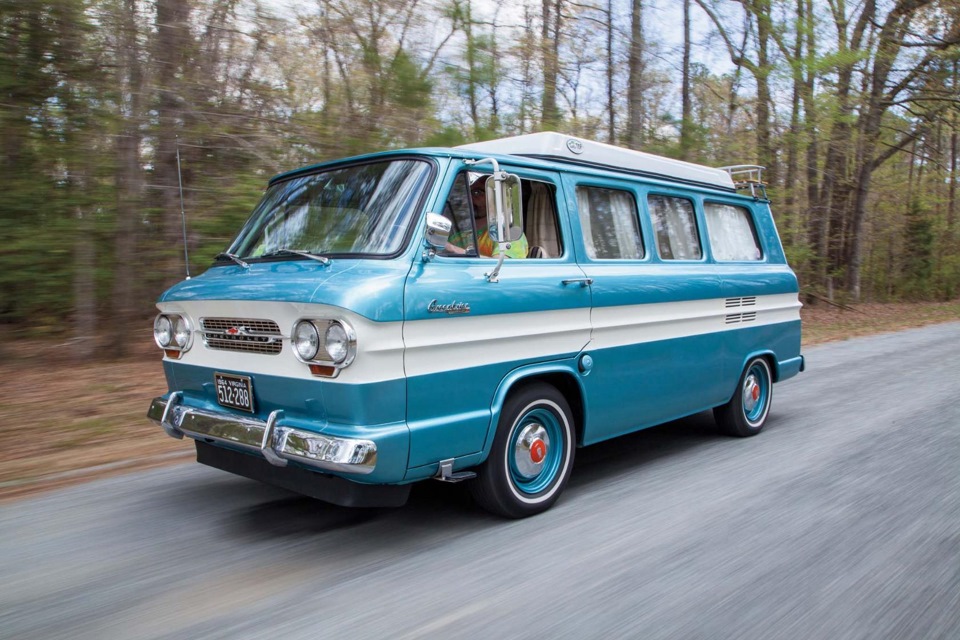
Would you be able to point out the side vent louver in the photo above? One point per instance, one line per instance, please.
(736, 303)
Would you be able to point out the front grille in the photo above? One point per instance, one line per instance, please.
(242, 334)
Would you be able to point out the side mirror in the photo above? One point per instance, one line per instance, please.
(438, 231)
(510, 215)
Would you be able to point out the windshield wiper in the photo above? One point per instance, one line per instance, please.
(233, 257)
(298, 252)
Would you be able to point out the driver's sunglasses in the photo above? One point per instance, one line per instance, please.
(479, 191)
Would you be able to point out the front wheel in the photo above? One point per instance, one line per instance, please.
(532, 454)
(747, 411)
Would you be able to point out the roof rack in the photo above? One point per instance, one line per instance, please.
(748, 176)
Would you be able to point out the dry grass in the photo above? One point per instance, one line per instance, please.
(825, 323)
(64, 422)
(58, 416)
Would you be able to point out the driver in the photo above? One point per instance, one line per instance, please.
(485, 244)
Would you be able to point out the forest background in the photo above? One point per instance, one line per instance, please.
(854, 108)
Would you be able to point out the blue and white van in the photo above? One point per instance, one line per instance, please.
(362, 333)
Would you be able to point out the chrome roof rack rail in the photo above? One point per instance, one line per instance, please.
(748, 176)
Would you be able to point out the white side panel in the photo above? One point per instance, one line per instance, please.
(447, 344)
(619, 326)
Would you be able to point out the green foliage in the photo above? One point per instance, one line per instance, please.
(918, 253)
(410, 88)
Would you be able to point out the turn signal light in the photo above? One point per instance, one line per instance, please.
(323, 370)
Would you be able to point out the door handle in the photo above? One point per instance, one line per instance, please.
(583, 282)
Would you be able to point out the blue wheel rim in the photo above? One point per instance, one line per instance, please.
(521, 476)
(756, 393)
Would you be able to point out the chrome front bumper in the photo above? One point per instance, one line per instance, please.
(276, 443)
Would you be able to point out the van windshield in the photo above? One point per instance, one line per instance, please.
(362, 209)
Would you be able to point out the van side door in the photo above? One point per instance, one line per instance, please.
(464, 333)
(656, 343)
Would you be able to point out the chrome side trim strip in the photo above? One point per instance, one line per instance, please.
(276, 443)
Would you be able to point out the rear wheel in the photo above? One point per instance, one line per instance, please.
(747, 411)
(532, 454)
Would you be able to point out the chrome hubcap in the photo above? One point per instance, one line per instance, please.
(530, 449)
(751, 393)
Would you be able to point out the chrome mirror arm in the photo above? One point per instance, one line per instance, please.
(494, 276)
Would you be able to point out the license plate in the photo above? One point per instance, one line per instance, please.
(235, 392)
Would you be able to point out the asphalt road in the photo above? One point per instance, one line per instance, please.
(841, 520)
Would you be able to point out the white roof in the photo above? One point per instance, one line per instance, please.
(558, 146)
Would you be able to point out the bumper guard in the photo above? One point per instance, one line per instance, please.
(276, 443)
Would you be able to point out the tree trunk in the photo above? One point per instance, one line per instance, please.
(611, 120)
(765, 153)
(170, 55)
(129, 182)
(793, 139)
(635, 82)
(686, 119)
(550, 46)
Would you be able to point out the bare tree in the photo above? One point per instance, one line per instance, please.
(635, 69)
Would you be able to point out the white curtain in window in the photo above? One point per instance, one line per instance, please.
(676, 228)
(731, 232)
(625, 223)
(583, 208)
(542, 226)
(609, 221)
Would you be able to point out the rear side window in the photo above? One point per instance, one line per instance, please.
(676, 226)
(608, 217)
(733, 237)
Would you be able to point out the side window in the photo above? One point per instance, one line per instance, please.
(466, 208)
(459, 211)
(676, 226)
(540, 219)
(609, 221)
(732, 234)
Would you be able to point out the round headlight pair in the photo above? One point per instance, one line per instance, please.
(172, 332)
(336, 342)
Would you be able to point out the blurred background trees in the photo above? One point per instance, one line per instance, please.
(854, 109)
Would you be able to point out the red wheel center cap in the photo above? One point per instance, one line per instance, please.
(538, 451)
(755, 392)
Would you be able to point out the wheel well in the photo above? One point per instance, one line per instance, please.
(772, 363)
(565, 384)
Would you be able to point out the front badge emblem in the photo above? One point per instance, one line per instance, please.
(451, 308)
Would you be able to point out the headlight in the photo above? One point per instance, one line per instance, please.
(181, 332)
(306, 340)
(337, 343)
(162, 331)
